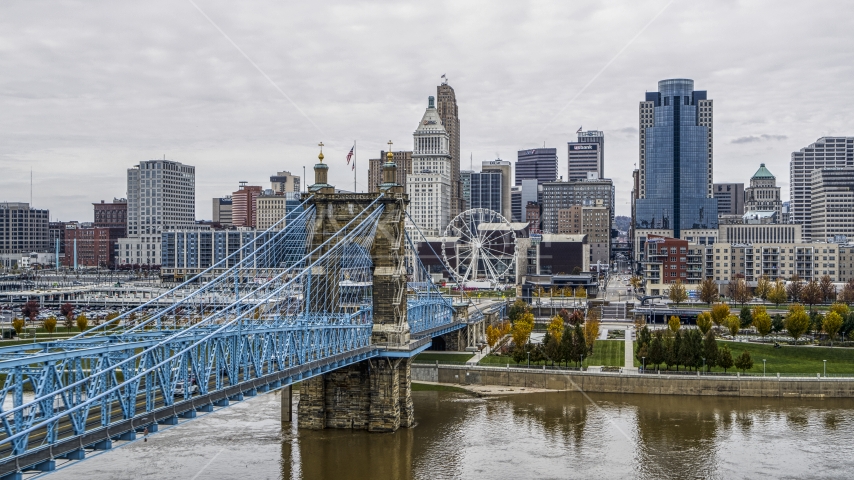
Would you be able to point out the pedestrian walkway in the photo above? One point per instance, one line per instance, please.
(486, 351)
(630, 353)
(478, 356)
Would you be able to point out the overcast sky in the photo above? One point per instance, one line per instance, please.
(89, 89)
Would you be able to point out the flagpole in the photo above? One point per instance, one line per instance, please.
(355, 156)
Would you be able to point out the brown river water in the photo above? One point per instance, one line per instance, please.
(522, 436)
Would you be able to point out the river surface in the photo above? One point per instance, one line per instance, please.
(532, 435)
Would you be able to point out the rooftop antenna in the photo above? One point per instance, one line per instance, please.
(31, 186)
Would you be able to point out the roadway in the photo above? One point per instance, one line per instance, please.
(617, 288)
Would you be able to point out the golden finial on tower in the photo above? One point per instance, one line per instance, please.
(389, 155)
(321, 152)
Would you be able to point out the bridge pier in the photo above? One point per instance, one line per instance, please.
(373, 395)
(287, 405)
(407, 411)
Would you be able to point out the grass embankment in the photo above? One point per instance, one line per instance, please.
(432, 357)
(607, 353)
(788, 359)
(795, 359)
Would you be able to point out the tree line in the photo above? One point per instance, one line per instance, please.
(569, 336)
(813, 292)
(31, 310)
(839, 320)
(688, 348)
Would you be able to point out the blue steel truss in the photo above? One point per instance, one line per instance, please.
(427, 309)
(272, 312)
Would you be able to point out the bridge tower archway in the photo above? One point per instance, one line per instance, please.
(374, 394)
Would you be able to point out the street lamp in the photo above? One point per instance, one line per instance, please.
(582, 361)
(763, 367)
(704, 363)
(643, 364)
(825, 367)
(529, 359)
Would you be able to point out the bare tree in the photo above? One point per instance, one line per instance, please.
(795, 287)
(828, 289)
(739, 291)
(848, 292)
(811, 294)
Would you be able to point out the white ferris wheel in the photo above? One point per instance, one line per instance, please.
(479, 245)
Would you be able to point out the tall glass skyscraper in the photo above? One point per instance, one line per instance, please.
(486, 191)
(676, 159)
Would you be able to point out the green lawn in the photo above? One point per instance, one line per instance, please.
(497, 360)
(431, 357)
(607, 353)
(790, 359)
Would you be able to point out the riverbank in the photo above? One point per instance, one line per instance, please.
(479, 390)
(471, 377)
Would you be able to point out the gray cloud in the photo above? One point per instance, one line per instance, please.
(759, 138)
(91, 88)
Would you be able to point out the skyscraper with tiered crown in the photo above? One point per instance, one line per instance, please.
(446, 105)
(429, 184)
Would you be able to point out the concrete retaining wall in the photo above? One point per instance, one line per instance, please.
(649, 384)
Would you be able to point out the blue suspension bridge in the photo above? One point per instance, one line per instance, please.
(334, 285)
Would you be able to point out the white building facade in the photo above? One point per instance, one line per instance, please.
(827, 153)
(429, 184)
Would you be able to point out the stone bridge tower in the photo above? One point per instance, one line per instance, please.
(374, 394)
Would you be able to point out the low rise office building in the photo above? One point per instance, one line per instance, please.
(593, 221)
(24, 229)
(274, 207)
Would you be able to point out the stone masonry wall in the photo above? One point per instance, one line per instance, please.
(455, 341)
(347, 399)
(312, 404)
(407, 411)
(384, 413)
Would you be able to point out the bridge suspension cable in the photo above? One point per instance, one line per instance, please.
(312, 309)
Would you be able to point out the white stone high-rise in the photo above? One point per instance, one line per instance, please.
(826, 152)
(429, 184)
(161, 196)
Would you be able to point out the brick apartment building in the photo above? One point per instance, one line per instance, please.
(93, 245)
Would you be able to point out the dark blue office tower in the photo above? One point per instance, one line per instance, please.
(676, 159)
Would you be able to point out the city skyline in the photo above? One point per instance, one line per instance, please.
(80, 109)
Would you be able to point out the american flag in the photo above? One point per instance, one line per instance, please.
(350, 155)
